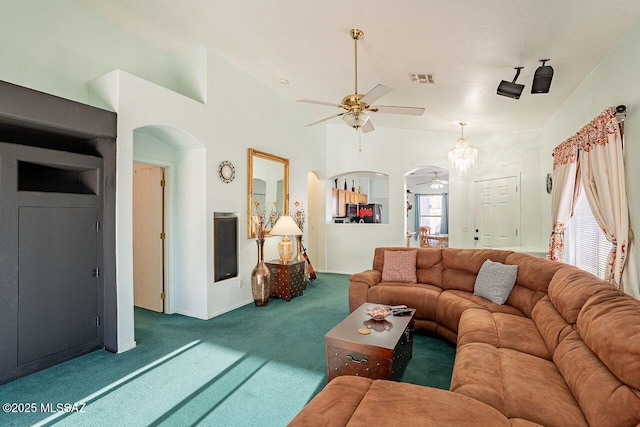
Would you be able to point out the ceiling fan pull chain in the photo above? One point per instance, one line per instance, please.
(359, 142)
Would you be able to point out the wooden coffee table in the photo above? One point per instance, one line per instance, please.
(383, 354)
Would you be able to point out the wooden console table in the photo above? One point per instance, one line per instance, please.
(287, 279)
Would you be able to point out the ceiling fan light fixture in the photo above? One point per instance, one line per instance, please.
(356, 120)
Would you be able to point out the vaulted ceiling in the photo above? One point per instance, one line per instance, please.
(469, 47)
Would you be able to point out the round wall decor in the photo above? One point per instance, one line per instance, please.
(226, 172)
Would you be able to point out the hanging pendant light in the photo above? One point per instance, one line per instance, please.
(463, 155)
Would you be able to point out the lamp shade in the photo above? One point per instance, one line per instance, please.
(285, 226)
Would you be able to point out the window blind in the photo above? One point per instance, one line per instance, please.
(586, 246)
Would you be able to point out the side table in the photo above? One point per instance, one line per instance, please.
(287, 279)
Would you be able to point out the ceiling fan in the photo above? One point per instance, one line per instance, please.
(436, 183)
(358, 106)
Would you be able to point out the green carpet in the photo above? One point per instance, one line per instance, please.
(254, 366)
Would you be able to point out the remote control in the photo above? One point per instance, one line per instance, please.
(401, 312)
(397, 307)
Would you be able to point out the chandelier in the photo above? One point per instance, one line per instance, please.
(436, 183)
(463, 155)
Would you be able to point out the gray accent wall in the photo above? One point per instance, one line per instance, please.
(57, 179)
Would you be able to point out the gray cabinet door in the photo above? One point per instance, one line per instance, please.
(57, 287)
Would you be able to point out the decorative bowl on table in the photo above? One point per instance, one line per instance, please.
(377, 312)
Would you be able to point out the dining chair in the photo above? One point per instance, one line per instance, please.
(423, 235)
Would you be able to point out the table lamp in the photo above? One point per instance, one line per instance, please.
(285, 226)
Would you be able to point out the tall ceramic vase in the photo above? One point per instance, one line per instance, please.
(261, 278)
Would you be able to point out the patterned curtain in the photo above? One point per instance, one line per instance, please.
(593, 159)
(602, 177)
(564, 194)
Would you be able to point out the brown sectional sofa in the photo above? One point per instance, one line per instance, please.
(563, 351)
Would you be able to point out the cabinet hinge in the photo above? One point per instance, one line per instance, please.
(163, 183)
(516, 231)
(96, 272)
(163, 296)
(162, 236)
(97, 321)
(96, 226)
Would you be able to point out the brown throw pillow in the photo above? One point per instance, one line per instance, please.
(399, 266)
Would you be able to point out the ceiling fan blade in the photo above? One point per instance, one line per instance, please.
(367, 127)
(311, 101)
(411, 111)
(325, 119)
(376, 93)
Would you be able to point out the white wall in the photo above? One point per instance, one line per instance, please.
(614, 81)
(395, 152)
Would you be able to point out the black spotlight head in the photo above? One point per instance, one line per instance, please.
(511, 89)
(542, 78)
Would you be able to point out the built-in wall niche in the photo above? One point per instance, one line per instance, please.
(360, 197)
(57, 179)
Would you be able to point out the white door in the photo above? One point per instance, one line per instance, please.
(148, 237)
(497, 212)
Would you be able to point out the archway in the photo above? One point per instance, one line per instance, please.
(427, 202)
(175, 150)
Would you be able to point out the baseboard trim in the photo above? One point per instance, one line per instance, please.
(228, 309)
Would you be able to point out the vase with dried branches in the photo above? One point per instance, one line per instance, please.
(261, 276)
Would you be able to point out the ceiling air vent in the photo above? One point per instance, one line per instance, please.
(422, 78)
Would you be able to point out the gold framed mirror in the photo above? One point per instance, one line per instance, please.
(268, 185)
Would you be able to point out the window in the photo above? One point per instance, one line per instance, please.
(585, 243)
(431, 211)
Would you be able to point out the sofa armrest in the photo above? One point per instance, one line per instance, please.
(359, 287)
(368, 277)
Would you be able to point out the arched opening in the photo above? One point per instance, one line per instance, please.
(316, 219)
(427, 205)
(178, 155)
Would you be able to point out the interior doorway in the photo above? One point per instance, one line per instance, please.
(427, 205)
(149, 254)
(497, 212)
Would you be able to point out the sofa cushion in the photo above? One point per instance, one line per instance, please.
(422, 297)
(495, 281)
(390, 403)
(335, 405)
(428, 263)
(570, 288)
(518, 384)
(462, 265)
(552, 326)
(453, 303)
(604, 398)
(532, 282)
(399, 266)
(502, 331)
(618, 347)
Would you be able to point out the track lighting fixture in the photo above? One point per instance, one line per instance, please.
(511, 89)
(542, 78)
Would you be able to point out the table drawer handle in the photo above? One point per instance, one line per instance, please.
(362, 361)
